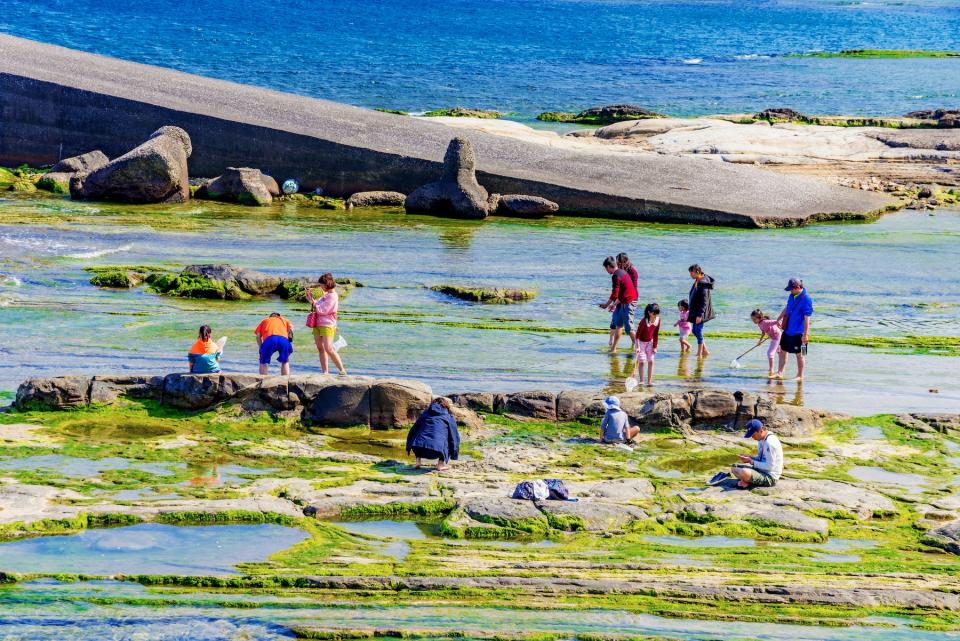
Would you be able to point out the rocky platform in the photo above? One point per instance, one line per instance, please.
(58, 102)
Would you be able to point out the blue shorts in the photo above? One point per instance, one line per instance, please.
(275, 344)
(623, 316)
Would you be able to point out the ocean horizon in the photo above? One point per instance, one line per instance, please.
(678, 57)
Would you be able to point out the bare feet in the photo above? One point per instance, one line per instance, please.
(343, 372)
(418, 465)
(771, 374)
(441, 467)
(799, 379)
(743, 485)
(778, 375)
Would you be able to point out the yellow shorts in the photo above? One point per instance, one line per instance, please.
(329, 332)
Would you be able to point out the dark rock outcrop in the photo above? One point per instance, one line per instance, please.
(946, 118)
(525, 206)
(376, 199)
(781, 114)
(457, 194)
(317, 400)
(154, 172)
(242, 185)
(247, 280)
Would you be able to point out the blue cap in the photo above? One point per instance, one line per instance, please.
(611, 402)
(793, 283)
(753, 426)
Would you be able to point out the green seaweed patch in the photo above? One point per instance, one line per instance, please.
(117, 279)
(54, 186)
(6, 176)
(396, 112)
(193, 286)
(489, 295)
(589, 118)
(46, 527)
(433, 507)
(313, 200)
(463, 112)
(878, 53)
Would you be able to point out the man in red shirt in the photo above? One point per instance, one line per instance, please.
(622, 302)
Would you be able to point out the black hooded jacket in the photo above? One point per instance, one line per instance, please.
(436, 429)
(701, 301)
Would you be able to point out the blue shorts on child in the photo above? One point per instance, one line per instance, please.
(273, 345)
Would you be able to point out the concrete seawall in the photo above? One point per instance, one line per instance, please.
(57, 102)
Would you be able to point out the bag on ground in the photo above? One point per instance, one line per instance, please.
(558, 491)
(531, 491)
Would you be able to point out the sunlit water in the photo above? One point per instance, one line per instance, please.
(149, 548)
(890, 278)
(49, 610)
(678, 56)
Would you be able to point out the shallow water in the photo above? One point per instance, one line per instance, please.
(57, 465)
(881, 279)
(149, 548)
(48, 610)
(900, 482)
(681, 56)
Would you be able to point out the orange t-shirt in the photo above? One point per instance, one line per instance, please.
(204, 347)
(273, 326)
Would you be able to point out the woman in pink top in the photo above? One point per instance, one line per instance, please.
(769, 328)
(325, 328)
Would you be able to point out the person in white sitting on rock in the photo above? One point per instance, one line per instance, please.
(764, 469)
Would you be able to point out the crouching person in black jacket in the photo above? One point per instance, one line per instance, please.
(435, 435)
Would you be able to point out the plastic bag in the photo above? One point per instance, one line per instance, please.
(340, 343)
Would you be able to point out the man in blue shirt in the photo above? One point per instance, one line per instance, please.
(795, 321)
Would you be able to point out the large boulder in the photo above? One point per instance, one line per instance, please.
(525, 206)
(376, 199)
(247, 280)
(242, 185)
(192, 391)
(536, 404)
(154, 172)
(341, 404)
(394, 403)
(505, 512)
(589, 515)
(82, 164)
(62, 392)
(457, 194)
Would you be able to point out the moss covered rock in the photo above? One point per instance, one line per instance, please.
(606, 115)
(117, 279)
(463, 112)
(489, 295)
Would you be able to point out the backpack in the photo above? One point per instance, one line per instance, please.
(531, 491)
(558, 491)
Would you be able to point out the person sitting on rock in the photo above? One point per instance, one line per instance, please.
(615, 426)
(275, 336)
(435, 435)
(204, 356)
(764, 469)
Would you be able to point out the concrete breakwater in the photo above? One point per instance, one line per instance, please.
(57, 103)
(386, 403)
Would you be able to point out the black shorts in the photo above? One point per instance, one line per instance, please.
(791, 343)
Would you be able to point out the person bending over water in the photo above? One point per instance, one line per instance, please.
(435, 435)
(204, 356)
(768, 328)
(275, 336)
(325, 323)
(648, 336)
(622, 302)
(701, 305)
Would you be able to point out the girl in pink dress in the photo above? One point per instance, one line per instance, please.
(769, 328)
(684, 325)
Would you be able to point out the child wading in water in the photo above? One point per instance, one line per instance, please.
(684, 325)
(648, 335)
(769, 328)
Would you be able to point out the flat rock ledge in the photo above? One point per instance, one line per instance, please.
(360, 400)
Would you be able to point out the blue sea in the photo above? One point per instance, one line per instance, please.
(523, 57)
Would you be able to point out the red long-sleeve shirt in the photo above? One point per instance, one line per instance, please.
(647, 333)
(624, 291)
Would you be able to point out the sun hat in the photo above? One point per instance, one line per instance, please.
(612, 402)
(753, 426)
(793, 283)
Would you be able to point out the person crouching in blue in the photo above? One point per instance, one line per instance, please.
(435, 435)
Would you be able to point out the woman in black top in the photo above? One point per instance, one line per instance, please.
(701, 306)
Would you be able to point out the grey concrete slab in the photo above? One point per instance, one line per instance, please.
(57, 102)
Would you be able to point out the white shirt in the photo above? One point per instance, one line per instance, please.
(769, 456)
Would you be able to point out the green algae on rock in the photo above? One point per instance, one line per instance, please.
(313, 200)
(463, 112)
(488, 295)
(606, 115)
(878, 53)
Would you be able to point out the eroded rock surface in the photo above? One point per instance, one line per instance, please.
(376, 199)
(154, 172)
(457, 194)
(243, 185)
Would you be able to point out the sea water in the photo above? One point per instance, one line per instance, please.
(881, 279)
(680, 57)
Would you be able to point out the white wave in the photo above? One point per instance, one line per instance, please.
(692, 61)
(751, 56)
(39, 244)
(101, 252)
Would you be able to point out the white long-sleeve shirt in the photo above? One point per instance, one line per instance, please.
(769, 456)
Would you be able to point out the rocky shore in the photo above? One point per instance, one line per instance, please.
(623, 537)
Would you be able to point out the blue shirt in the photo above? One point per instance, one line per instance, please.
(204, 363)
(798, 307)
